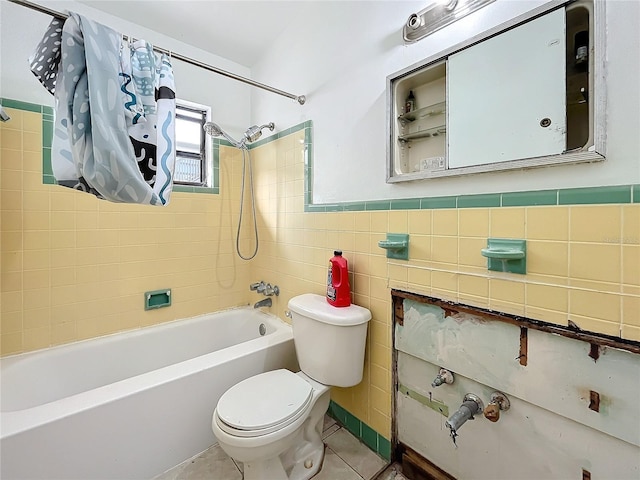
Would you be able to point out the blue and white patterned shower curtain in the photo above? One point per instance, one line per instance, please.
(114, 133)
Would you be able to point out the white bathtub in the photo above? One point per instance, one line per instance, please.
(130, 405)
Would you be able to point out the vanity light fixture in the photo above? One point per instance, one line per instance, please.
(438, 15)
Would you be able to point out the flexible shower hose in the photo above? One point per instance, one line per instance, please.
(246, 157)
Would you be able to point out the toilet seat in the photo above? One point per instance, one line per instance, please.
(263, 404)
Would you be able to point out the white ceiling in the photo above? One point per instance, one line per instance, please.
(238, 30)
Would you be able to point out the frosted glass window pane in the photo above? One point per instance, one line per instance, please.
(188, 170)
(188, 135)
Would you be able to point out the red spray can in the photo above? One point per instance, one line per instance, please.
(338, 291)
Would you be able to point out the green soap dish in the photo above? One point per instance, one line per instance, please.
(396, 245)
(502, 254)
(506, 255)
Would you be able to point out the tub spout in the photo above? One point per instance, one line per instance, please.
(471, 405)
(263, 303)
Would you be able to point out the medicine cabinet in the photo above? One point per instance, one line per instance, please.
(521, 95)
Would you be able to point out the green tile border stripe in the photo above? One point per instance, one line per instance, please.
(477, 201)
(586, 196)
(364, 432)
(29, 107)
(622, 194)
(528, 199)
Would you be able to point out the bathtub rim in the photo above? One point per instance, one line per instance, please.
(139, 330)
(17, 421)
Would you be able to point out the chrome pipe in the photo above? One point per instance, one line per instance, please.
(301, 99)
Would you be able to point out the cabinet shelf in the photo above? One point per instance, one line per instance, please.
(429, 111)
(429, 132)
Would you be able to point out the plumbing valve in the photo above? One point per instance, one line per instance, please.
(499, 401)
(445, 376)
(471, 405)
(265, 288)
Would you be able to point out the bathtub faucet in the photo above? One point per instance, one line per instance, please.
(263, 303)
(265, 288)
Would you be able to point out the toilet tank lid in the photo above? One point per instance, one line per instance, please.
(317, 307)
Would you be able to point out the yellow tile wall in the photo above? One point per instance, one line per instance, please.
(75, 267)
(583, 263)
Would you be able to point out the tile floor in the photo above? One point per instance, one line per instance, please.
(346, 458)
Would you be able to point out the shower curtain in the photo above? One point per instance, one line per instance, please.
(114, 132)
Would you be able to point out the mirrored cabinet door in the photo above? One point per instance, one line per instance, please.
(506, 95)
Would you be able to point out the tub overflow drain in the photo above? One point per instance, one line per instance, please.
(262, 329)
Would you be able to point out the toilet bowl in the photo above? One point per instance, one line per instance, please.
(272, 422)
(288, 412)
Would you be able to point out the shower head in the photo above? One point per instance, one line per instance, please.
(255, 132)
(212, 129)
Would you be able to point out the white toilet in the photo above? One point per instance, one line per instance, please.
(272, 422)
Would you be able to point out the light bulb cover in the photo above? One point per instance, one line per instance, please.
(438, 15)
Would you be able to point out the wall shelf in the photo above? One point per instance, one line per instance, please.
(439, 108)
(426, 133)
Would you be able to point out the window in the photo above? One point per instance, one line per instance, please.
(192, 145)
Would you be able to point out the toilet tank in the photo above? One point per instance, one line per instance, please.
(329, 341)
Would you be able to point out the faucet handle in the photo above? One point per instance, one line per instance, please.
(259, 286)
(492, 412)
(499, 401)
(271, 290)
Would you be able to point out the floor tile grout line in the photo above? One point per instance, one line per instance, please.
(344, 460)
(237, 466)
(332, 433)
(327, 447)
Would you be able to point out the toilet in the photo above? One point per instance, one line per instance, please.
(272, 422)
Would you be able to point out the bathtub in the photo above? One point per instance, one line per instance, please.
(133, 404)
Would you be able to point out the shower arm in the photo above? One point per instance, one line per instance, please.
(252, 133)
(233, 141)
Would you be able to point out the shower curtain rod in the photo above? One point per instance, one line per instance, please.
(299, 98)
